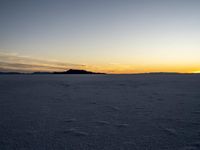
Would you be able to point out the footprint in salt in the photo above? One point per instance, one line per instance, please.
(70, 130)
(102, 122)
(159, 99)
(70, 120)
(196, 112)
(122, 125)
(170, 131)
(139, 108)
(194, 146)
(189, 148)
(64, 84)
(197, 144)
(113, 108)
(92, 103)
(80, 133)
(75, 132)
(130, 144)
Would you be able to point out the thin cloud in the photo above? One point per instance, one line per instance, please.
(9, 62)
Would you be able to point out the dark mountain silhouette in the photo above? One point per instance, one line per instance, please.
(41, 73)
(10, 73)
(70, 71)
(76, 71)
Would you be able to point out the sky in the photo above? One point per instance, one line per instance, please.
(112, 36)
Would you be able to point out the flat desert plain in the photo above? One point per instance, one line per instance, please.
(100, 112)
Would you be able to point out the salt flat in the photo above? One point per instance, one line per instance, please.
(99, 112)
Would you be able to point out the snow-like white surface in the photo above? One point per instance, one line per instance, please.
(99, 112)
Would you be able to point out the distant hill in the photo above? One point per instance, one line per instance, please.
(70, 71)
(10, 73)
(76, 71)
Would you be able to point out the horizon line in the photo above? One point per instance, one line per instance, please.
(53, 72)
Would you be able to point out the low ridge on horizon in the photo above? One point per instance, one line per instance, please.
(82, 71)
(69, 71)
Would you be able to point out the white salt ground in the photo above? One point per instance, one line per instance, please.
(99, 112)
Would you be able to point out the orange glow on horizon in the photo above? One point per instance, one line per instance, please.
(131, 69)
(20, 63)
(196, 71)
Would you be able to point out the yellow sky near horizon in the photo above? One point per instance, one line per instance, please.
(16, 62)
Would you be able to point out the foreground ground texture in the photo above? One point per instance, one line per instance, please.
(99, 112)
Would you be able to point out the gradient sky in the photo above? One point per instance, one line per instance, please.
(115, 36)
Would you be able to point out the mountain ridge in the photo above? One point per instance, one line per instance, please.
(70, 71)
